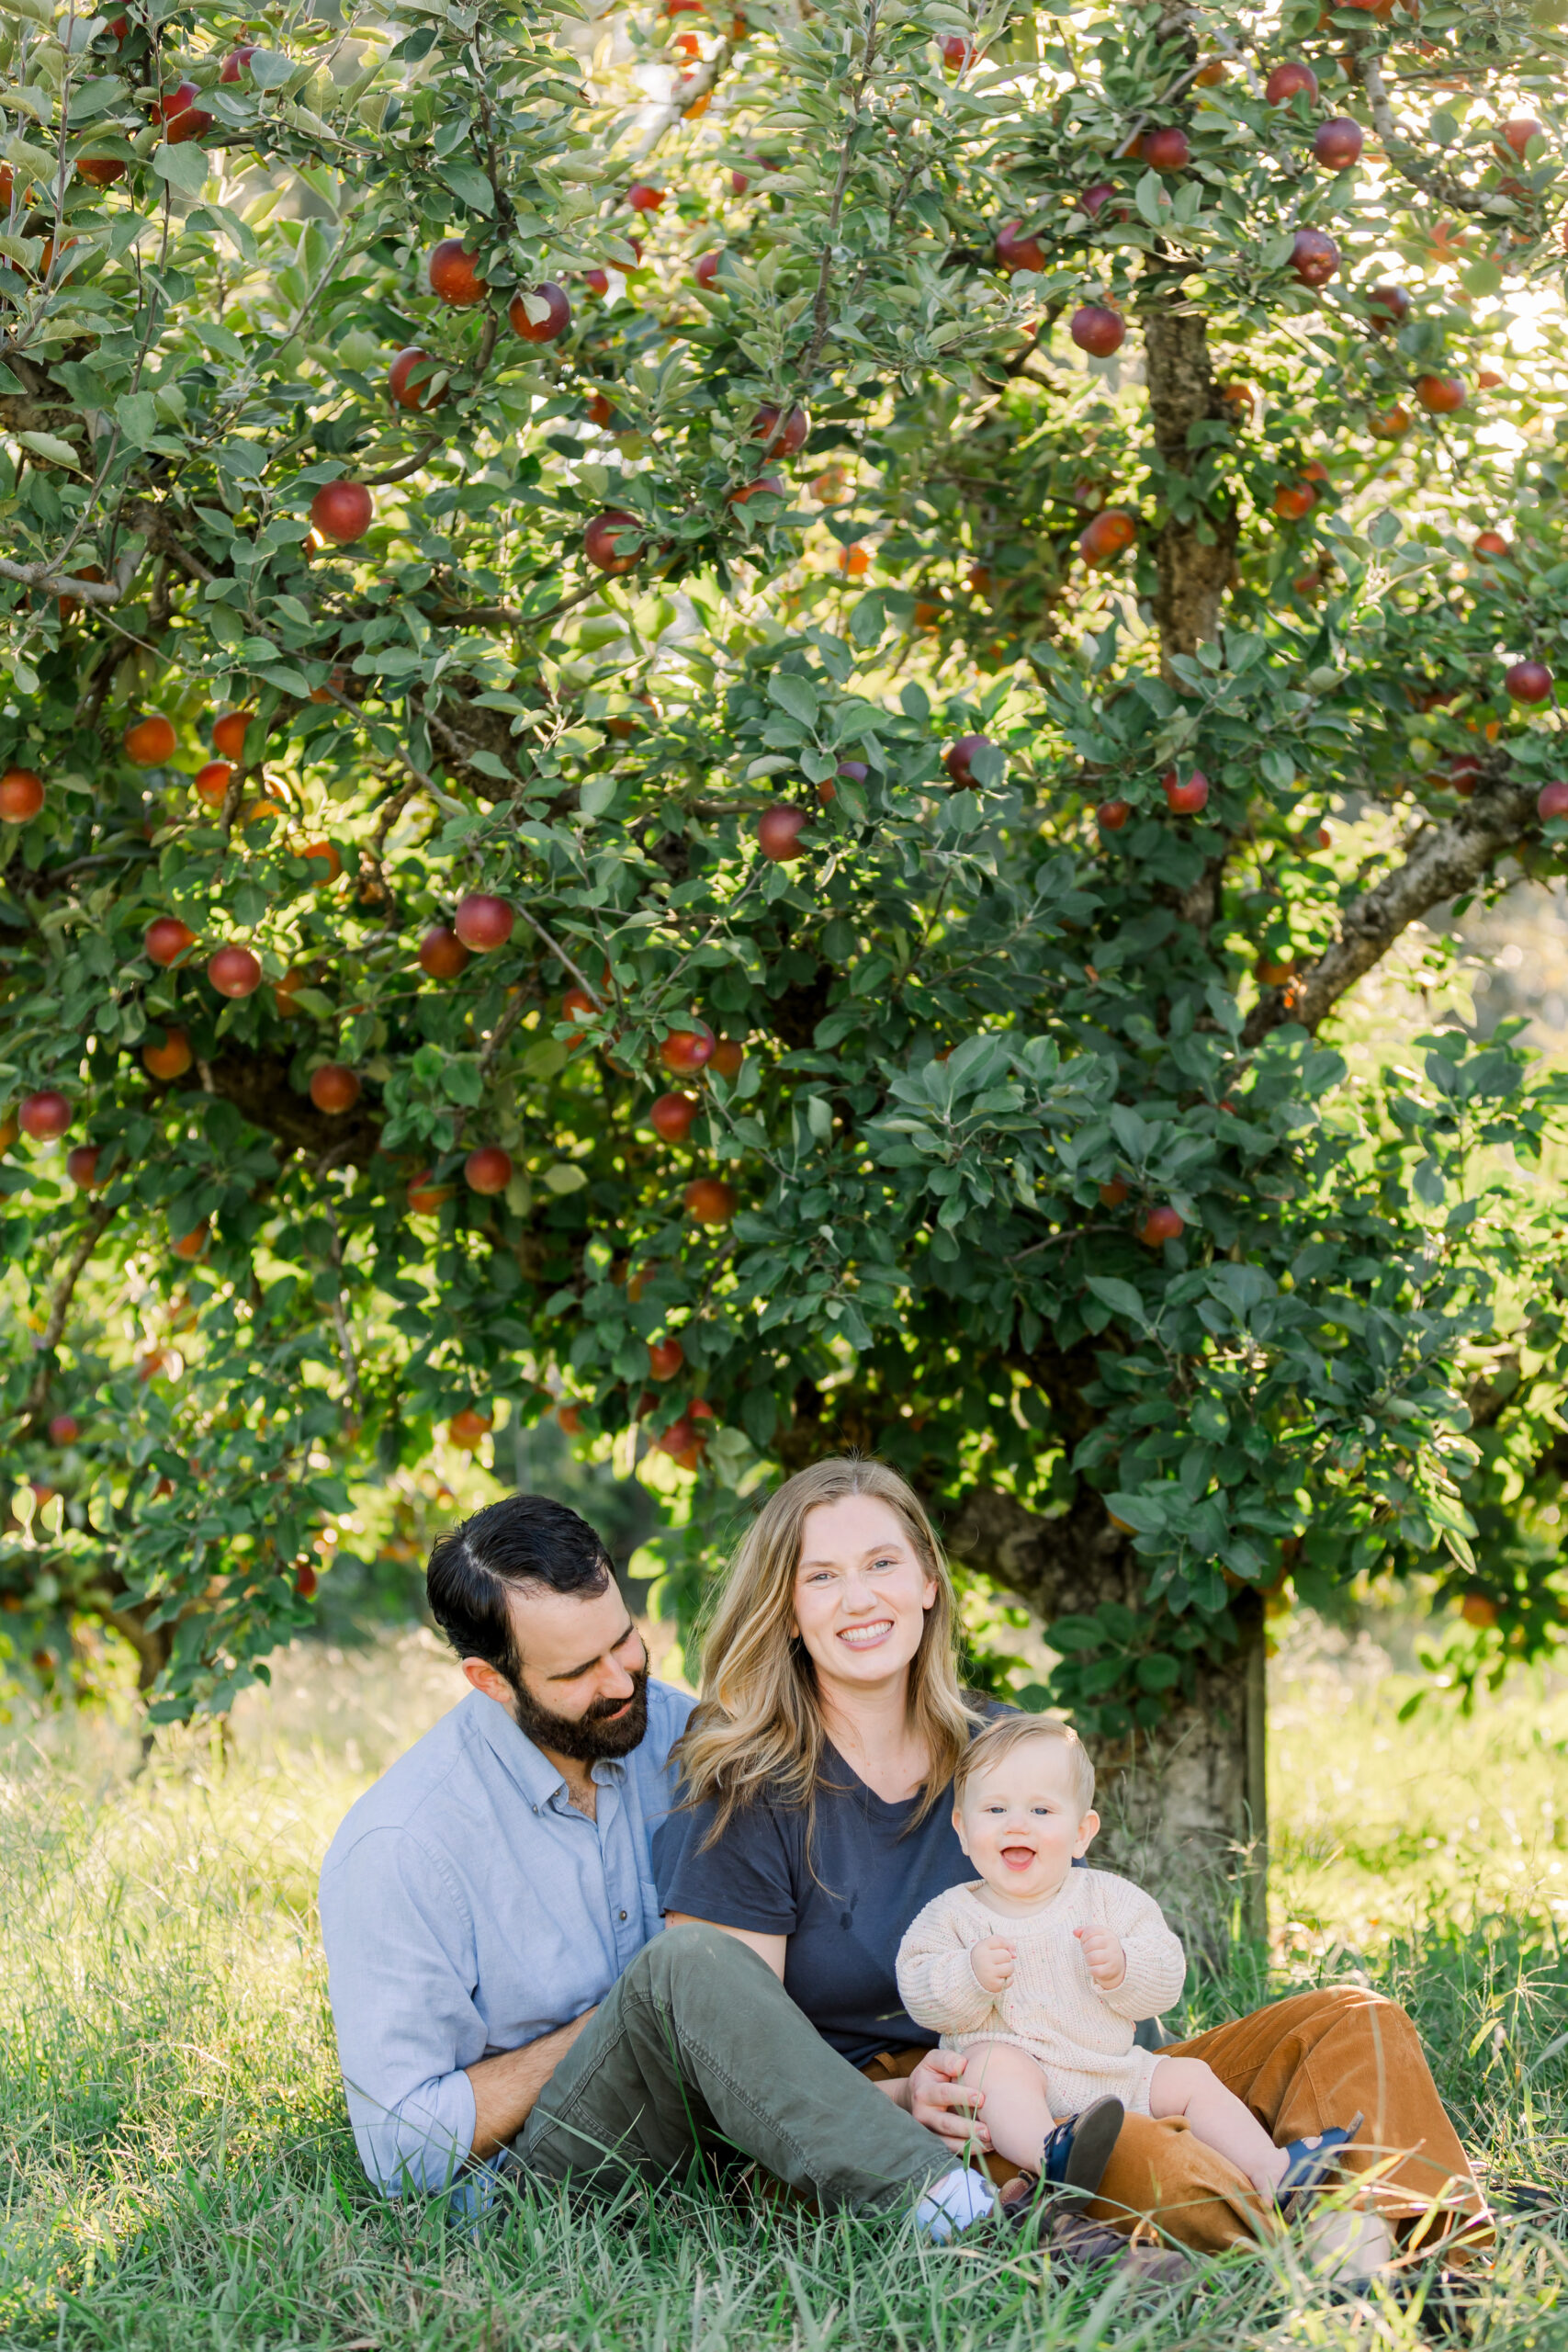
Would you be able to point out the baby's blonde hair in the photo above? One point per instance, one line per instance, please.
(1007, 1732)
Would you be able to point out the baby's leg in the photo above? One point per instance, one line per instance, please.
(1187, 2086)
(1018, 2113)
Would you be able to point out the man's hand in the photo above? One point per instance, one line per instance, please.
(507, 2088)
(1107, 1960)
(992, 1959)
(944, 2104)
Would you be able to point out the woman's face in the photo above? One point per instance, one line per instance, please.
(861, 1593)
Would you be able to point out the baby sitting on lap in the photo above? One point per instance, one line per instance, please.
(1038, 1972)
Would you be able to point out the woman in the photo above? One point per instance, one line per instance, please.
(816, 1824)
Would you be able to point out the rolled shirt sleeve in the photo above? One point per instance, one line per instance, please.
(401, 1965)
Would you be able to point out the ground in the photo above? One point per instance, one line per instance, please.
(175, 2170)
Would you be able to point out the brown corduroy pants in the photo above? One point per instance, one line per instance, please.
(1301, 2065)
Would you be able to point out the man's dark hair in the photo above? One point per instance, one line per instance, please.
(524, 1539)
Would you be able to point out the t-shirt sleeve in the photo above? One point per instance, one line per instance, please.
(745, 1878)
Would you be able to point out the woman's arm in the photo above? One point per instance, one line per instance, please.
(769, 1948)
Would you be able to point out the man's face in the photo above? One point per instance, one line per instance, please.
(581, 1686)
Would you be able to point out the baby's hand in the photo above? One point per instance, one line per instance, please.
(1107, 1960)
(992, 1960)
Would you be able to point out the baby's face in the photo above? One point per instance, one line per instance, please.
(1022, 1825)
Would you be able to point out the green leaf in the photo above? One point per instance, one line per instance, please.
(51, 449)
(469, 185)
(184, 167)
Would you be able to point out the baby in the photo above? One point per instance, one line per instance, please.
(1038, 1972)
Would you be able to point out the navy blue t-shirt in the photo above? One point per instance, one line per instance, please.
(844, 1909)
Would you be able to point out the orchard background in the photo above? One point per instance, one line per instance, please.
(709, 718)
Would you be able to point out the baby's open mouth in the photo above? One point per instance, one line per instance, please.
(1018, 1857)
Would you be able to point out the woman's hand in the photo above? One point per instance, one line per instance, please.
(944, 2104)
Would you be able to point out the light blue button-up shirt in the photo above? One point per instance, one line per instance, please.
(468, 1907)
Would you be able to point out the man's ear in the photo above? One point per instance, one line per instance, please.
(1087, 1828)
(485, 1679)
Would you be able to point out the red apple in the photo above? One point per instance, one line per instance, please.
(333, 1088)
(65, 1430)
(211, 783)
(556, 319)
(21, 795)
(665, 1357)
(791, 439)
(454, 276)
(1389, 306)
(727, 1057)
(425, 1197)
(1552, 801)
(171, 1058)
(234, 971)
(100, 171)
(442, 954)
(323, 856)
(1294, 499)
(1527, 681)
(1112, 815)
(1488, 544)
(1518, 133)
(1185, 799)
(1391, 424)
(1096, 327)
(1440, 395)
(343, 511)
(1110, 534)
(611, 542)
(81, 1165)
(670, 1116)
(1338, 144)
(596, 280)
(151, 741)
(229, 733)
(419, 395)
(1286, 81)
(779, 829)
(1111, 1195)
(1168, 150)
(1159, 1227)
(765, 486)
(306, 1580)
(644, 199)
(167, 939)
(189, 1245)
(706, 267)
(482, 923)
(470, 1426)
(686, 1051)
(183, 119)
(571, 1419)
(1016, 252)
(1094, 197)
(710, 1200)
(958, 757)
(956, 52)
(1313, 258)
(577, 1005)
(44, 1116)
(1464, 771)
(236, 62)
(489, 1170)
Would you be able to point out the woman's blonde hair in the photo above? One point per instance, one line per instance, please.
(757, 1726)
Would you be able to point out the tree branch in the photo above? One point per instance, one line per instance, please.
(1402, 154)
(1446, 861)
(60, 1306)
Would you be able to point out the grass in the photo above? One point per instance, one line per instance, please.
(175, 2170)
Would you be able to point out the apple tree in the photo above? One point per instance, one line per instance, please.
(714, 722)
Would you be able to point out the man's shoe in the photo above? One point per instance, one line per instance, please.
(1076, 2152)
(1072, 2238)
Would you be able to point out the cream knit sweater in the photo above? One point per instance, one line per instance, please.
(1081, 2037)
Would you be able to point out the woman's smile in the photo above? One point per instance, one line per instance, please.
(865, 1637)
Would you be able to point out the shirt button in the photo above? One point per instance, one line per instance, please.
(623, 1915)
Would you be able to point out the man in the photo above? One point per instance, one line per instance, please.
(499, 1977)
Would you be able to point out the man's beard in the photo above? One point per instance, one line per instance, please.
(602, 1733)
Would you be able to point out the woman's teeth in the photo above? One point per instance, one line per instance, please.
(862, 1637)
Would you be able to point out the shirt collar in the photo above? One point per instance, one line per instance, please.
(525, 1764)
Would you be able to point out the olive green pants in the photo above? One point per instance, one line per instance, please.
(697, 2055)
